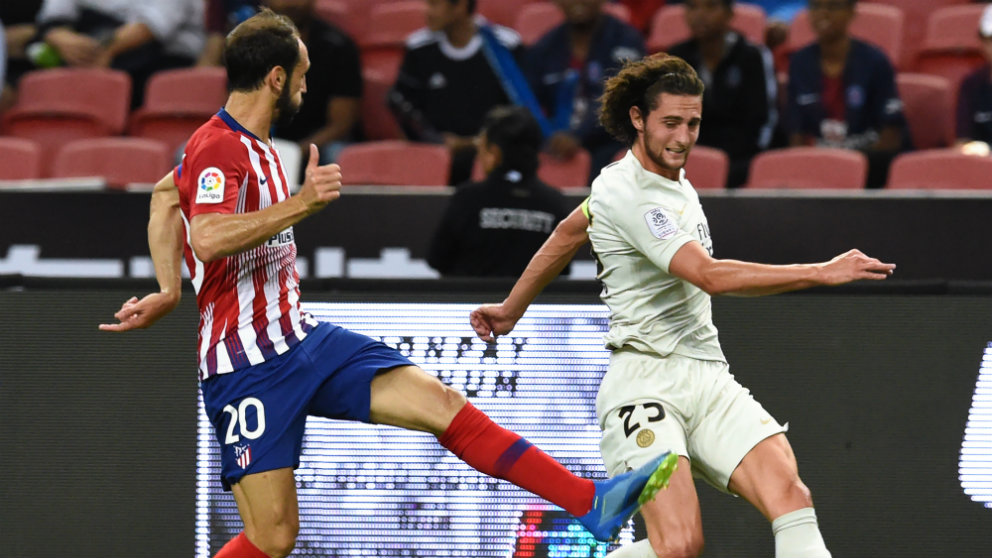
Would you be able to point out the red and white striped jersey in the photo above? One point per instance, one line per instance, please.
(249, 302)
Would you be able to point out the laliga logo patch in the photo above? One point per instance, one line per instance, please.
(210, 186)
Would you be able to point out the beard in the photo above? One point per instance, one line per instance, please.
(286, 109)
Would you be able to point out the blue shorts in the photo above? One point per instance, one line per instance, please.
(259, 413)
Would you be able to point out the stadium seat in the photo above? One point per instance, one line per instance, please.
(808, 168)
(877, 24)
(382, 47)
(535, 19)
(668, 26)
(20, 159)
(707, 168)
(395, 162)
(928, 105)
(378, 121)
(565, 173)
(177, 102)
(951, 47)
(940, 169)
(60, 105)
(350, 17)
(502, 12)
(915, 14)
(120, 161)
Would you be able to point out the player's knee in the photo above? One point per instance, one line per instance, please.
(679, 543)
(797, 491)
(452, 399)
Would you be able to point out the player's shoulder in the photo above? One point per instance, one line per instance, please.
(423, 38)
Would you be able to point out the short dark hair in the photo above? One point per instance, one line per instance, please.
(260, 43)
(517, 134)
(470, 4)
(638, 84)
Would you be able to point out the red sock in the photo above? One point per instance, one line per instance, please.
(240, 547)
(499, 453)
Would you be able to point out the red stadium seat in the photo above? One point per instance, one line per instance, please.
(383, 45)
(707, 168)
(809, 168)
(177, 102)
(60, 105)
(350, 17)
(503, 12)
(535, 19)
(669, 27)
(877, 24)
(20, 159)
(951, 47)
(399, 163)
(565, 173)
(940, 169)
(378, 122)
(916, 13)
(120, 161)
(928, 105)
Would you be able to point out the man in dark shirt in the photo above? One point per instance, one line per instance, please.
(740, 85)
(447, 81)
(842, 93)
(567, 68)
(491, 228)
(330, 116)
(974, 114)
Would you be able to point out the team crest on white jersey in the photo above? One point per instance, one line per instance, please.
(660, 224)
(210, 186)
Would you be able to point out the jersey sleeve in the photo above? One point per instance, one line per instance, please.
(211, 176)
(652, 228)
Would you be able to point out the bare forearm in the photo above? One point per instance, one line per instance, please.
(128, 37)
(165, 240)
(216, 235)
(733, 277)
(548, 262)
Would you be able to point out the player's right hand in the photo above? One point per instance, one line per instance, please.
(138, 314)
(321, 183)
(491, 320)
(852, 266)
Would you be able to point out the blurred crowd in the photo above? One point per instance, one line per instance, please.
(778, 73)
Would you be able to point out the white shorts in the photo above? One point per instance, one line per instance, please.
(648, 404)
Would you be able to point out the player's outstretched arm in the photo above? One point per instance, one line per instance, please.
(217, 235)
(694, 264)
(165, 243)
(491, 320)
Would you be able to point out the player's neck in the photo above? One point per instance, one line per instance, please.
(252, 111)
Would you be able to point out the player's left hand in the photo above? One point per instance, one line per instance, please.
(138, 314)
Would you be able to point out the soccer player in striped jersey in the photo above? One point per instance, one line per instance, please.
(668, 382)
(264, 364)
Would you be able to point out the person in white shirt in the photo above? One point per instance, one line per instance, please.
(668, 385)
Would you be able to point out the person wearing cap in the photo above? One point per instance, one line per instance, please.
(974, 113)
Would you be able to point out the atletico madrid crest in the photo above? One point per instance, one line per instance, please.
(243, 455)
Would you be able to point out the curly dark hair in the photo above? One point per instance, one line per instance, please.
(638, 84)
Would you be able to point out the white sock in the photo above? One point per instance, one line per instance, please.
(639, 549)
(797, 535)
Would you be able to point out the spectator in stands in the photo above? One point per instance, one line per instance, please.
(974, 114)
(221, 17)
(330, 116)
(140, 38)
(842, 93)
(740, 94)
(567, 68)
(18, 20)
(491, 228)
(452, 73)
(641, 12)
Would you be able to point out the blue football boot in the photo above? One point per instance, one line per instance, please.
(617, 499)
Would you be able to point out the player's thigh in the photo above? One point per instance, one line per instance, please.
(768, 477)
(267, 503)
(673, 519)
(408, 397)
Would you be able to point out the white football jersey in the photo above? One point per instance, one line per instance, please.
(638, 221)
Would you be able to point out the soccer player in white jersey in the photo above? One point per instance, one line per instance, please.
(264, 363)
(668, 385)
